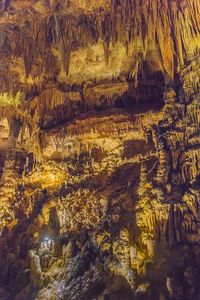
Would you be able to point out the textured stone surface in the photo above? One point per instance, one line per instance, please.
(99, 149)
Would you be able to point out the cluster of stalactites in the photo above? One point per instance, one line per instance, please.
(170, 28)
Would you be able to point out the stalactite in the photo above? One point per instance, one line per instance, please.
(163, 169)
(102, 153)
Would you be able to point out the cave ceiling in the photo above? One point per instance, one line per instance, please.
(99, 149)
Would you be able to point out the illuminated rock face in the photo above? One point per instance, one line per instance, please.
(99, 149)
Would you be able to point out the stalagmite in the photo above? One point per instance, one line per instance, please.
(99, 149)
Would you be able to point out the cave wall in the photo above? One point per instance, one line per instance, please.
(99, 149)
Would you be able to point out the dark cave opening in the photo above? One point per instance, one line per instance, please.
(146, 96)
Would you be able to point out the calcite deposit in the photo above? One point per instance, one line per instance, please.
(99, 149)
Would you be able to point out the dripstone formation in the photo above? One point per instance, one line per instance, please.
(99, 149)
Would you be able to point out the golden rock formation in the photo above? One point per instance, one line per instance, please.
(99, 149)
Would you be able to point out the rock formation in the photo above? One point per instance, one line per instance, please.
(99, 149)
